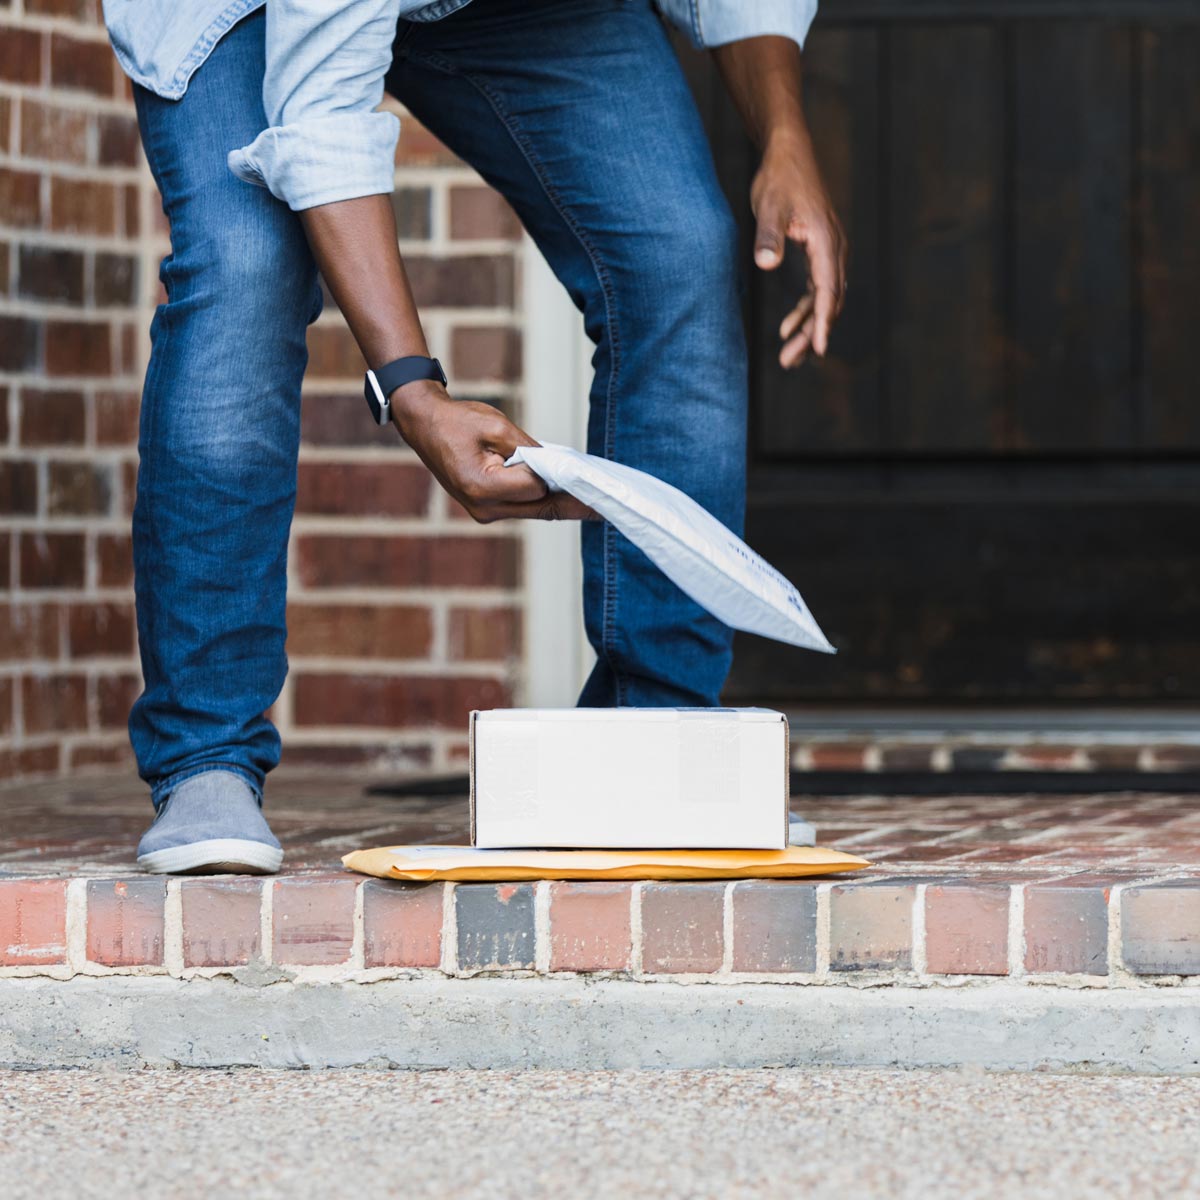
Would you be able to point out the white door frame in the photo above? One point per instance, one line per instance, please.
(557, 375)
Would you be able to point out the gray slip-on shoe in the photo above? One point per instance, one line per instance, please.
(210, 824)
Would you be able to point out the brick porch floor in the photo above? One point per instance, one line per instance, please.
(1086, 889)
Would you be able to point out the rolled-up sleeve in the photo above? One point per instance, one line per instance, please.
(716, 22)
(324, 140)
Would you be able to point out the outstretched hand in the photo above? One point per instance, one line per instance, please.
(791, 204)
(465, 445)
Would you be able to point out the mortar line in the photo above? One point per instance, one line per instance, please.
(449, 961)
(541, 927)
(824, 931)
(76, 925)
(920, 957)
(726, 967)
(173, 928)
(267, 922)
(635, 928)
(1016, 931)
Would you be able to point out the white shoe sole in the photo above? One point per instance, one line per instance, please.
(217, 856)
(801, 832)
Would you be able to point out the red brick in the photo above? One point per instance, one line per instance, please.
(6, 107)
(115, 696)
(1066, 929)
(28, 631)
(484, 634)
(20, 343)
(85, 756)
(375, 561)
(114, 559)
(79, 10)
(18, 488)
(683, 927)
(298, 753)
(1160, 928)
(222, 922)
(84, 65)
(120, 145)
(36, 760)
(20, 193)
(363, 489)
(51, 417)
(870, 927)
(313, 920)
(5, 248)
(774, 926)
(20, 55)
(590, 927)
(33, 922)
(52, 560)
(360, 630)
(388, 701)
(487, 352)
(461, 281)
(402, 924)
(908, 757)
(338, 420)
(480, 212)
(115, 280)
(966, 929)
(838, 756)
(97, 629)
(125, 922)
(7, 691)
(6, 542)
(82, 206)
(50, 273)
(418, 147)
(54, 703)
(117, 418)
(53, 132)
(78, 348)
(131, 215)
(79, 489)
(333, 352)
(411, 206)
(1176, 758)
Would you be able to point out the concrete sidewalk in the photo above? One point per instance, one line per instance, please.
(885, 1134)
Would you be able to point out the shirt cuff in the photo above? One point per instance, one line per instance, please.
(718, 22)
(322, 160)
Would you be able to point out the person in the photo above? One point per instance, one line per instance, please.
(577, 111)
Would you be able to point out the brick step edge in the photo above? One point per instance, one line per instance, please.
(1079, 929)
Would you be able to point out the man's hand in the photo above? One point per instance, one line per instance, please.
(788, 197)
(465, 444)
(791, 205)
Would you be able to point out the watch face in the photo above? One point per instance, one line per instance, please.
(377, 402)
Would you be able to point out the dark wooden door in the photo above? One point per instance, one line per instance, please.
(990, 491)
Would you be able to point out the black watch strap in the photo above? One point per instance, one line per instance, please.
(382, 383)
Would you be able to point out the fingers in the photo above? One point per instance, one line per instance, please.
(797, 316)
(508, 485)
(556, 506)
(770, 235)
(794, 351)
(827, 285)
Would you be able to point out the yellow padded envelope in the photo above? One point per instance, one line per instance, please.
(423, 863)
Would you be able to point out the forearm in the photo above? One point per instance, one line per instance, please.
(763, 76)
(354, 243)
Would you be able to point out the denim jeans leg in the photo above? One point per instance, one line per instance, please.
(577, 110)
(219, 437)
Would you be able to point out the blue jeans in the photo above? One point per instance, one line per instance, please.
(577, 111)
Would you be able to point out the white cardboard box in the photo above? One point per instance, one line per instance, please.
(629, 778)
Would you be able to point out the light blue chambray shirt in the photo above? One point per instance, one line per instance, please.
(326, 60)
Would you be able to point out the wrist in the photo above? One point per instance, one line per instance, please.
(787, 138)
(411, 401)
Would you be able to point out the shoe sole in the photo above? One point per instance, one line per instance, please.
(218, 856)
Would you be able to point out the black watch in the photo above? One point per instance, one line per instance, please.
(382, 383)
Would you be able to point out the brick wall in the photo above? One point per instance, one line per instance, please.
(404, 613)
